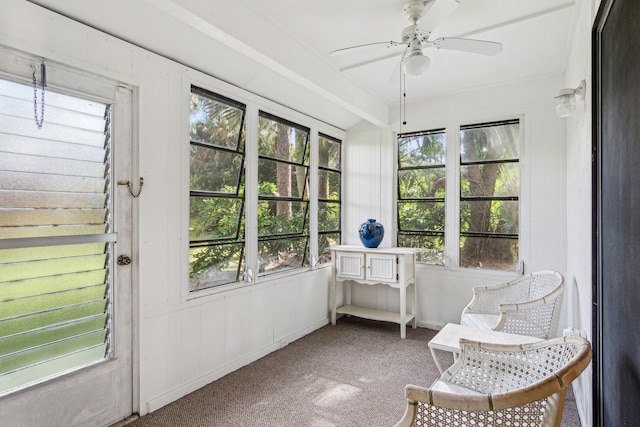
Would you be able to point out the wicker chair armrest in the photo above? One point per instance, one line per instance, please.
(482, 302)
(449, 408)
(486, 298)
(485, 402)
(472, 401)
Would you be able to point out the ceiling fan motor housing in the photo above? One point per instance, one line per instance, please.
(412, 32)
(415, 10)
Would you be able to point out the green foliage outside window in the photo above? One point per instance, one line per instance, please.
(216, 211)
(329, 199)
(283, 196)
(421, 194)
(489, 195)
(217, 199)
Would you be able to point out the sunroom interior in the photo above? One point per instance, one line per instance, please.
(272, 58)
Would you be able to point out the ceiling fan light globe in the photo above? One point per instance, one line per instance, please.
(416, 65)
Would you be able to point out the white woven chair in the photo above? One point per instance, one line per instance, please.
(529, 305)
(500, 385)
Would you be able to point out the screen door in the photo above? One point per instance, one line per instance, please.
(65, 303)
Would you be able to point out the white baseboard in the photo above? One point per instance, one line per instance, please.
(436, 326)
(191, 386)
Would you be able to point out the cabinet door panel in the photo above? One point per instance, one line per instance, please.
(381, 267)
(350, 265)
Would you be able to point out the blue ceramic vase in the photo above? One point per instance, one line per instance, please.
(371, 233)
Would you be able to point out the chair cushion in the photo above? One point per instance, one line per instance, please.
(478, 320)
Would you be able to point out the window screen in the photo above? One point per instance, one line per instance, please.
(55, 229)
(216, 181)
(329, 195)
(490, 195)
(283, 195)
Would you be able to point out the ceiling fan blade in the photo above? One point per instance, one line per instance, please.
(347, 49)
(480, 47)
(369, 61)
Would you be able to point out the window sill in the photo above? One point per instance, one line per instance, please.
(469, 272)
(244, 285)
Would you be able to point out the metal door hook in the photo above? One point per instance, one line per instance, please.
(128, 184)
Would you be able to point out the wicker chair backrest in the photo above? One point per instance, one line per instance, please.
(492, 371)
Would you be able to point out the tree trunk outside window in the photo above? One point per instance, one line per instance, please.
(283, 171)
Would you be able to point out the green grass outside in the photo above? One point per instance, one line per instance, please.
(52, 308)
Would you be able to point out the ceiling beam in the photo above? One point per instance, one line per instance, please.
(518, 20)
(377, 115)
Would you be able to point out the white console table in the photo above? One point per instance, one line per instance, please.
(394, 267)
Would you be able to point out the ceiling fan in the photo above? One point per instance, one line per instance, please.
(415, 39)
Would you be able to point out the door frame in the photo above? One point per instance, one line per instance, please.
(14, 65)
(602, 375)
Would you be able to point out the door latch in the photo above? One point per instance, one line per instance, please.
(124, 260)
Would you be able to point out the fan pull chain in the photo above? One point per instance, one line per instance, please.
(400, 97)
(404, 102)
(403, 91)
(43, 82)
(404, 99)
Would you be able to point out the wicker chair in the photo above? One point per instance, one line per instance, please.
(500, 385)
(529, 305)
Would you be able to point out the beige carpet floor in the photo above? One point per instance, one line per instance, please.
(349, 375)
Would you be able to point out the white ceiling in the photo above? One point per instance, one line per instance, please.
(280, 48)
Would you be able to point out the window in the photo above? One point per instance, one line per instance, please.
(261, 221)
(488, 202)
(489, 195)
(283, 195)
(329, 200)
(216, 209)
(421, 193)
(56, 227)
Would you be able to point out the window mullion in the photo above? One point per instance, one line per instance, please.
(396, 189)
(452, 202)
(313, 197)
(251, 193)
(525, 191)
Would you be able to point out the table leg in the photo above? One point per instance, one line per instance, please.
(332, 289)
(403, 311)
(435, 359)
(413, 306)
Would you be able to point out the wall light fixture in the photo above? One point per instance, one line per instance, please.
(566, 99)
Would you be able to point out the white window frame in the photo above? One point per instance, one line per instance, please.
(452, 186)
(254, 104)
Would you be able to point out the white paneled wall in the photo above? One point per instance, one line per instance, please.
(443, 292)
(197, 342)
(184, 344)
(368, 163)
(578, 167)
(206, 338)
